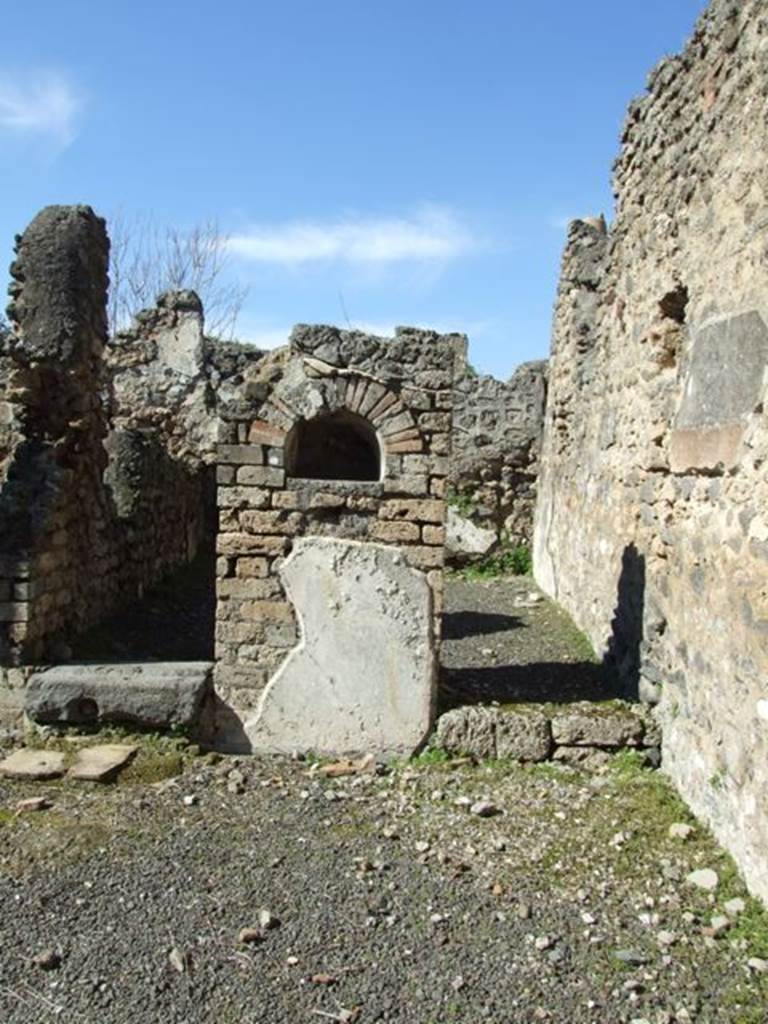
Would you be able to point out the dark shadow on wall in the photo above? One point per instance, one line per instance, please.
(627, 623)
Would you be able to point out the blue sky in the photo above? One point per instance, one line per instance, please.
(398, 162)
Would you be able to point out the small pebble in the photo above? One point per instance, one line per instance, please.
(267, 920)
(484, 809)
(630, 956)
(33, 803)
(679, 830)
(48, 960)
(705, 878)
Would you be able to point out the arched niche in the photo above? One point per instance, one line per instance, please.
(333, 446)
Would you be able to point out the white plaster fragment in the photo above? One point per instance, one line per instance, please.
(362, 676)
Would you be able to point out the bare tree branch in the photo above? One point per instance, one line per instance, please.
(146, 260)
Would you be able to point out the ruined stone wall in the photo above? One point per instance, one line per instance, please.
(651, 523)
(497, 429)
(103, 481)
(401, 388)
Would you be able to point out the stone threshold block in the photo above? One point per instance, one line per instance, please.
(541, 732)
(157, 695)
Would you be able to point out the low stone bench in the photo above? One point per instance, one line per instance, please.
(157, 695)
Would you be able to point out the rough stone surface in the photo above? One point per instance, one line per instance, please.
(497, 428)
(468, 730)
(651, 524)
(101, 763)
(362, 677)
(523, 735)
(598, 727)
(102, 446)
(150, 694)
(538, 732)
(465, 541)
(33, 764)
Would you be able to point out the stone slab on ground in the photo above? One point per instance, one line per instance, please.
(151, 694)
(101, 763)
(362, 677)
(33, 764)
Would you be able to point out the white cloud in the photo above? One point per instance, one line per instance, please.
(431, 235)
(41, 104)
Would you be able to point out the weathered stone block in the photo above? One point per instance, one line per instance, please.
(523, 735)
(394, 532)
(267, 611)
(401, 447)
(248, 567)
(262, 432)
(327, 500)
(582, 757)
(261, 476)
(250, 544)
(597, 726)
(240, 454)
(247, 587)
(151, 694)
(242, 497)
(14, 611)
(466, 541)
(276, 522)
(468, 730)
(424, 510)
(433, 534)
(424, 557)
(33, 764)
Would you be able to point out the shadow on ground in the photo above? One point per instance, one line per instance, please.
(502, 641)
(469, 623)
(543, 681)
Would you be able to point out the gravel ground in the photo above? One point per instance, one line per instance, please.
(395, 901)
(503, 641)
(392, 898)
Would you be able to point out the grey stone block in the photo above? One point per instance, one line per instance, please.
(468, 730)
(154, 695)
(597, 726)
(523, 735)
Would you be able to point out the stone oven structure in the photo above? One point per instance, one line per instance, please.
(314, 479)
(331, 475)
